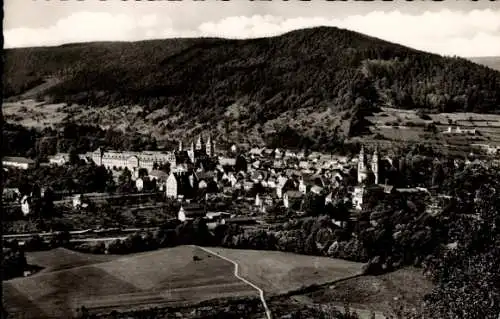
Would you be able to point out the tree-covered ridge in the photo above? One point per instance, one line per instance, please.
(318, 67)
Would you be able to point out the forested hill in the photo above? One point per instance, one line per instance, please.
(256, 80)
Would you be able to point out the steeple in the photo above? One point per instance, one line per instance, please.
(199, 143)
(180, 146)
(361, 166)
(375, 163)
(209, 149)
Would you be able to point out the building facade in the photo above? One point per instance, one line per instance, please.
(132, 160)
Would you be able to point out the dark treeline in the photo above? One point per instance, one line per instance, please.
(69, 137)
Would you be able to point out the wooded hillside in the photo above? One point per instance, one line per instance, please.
(258, 80)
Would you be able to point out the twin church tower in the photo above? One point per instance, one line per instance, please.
(363, 171)
(200, 145)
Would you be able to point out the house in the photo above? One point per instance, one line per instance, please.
(256, 164)
(180, 183)
(360, 194)
(190, 212)
(160, 177)
(247, 185)
(292, 199)
(59, 159)
(290, 154)
(25, 204)
(302, 187)
(10, 194)
(304, 165)
(80, 201)
(139, 184)
(254, 152)
(227, 161)
(316, 189)
(278, 153)
(272, 182)
(258, 176)
(217, 216)
(278, 164)
(18, 162)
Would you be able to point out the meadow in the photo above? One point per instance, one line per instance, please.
(165, 277)
(179, 276)
(279, 272)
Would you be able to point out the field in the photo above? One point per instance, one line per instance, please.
(395, 125)
(60, 259)
(278, 272)
(166, 277)
(30, 113)
(163, 277)
(381, 294)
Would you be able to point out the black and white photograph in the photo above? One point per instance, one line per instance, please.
(250, 159)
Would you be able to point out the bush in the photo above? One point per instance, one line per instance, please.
(35, 243)
(60, 239)
(91, 248)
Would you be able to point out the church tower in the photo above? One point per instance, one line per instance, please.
(209, 148)
(180, 146)
(361, 165)
(199, 143)
(375, 164)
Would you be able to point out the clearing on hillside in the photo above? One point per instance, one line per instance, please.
(278, 272)
(164, 277)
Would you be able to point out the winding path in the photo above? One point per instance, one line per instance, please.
(236, 267)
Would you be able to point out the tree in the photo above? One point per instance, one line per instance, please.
(241, 163)
(314, 204)
(74, 159)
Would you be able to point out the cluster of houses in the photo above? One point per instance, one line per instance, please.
(267, 177)
(459, 130)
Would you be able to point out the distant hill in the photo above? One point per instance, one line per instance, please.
(308, 86)
(491, 61)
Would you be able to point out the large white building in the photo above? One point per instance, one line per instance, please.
(18, 162)
(132, 160)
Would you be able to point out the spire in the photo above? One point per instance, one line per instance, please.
(199, 142)
(209, 149)
(375, 154)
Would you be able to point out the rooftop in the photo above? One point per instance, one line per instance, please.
(18, 159)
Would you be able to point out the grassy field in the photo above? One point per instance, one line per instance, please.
(163, 277)
(61, 258)
(381, 294)
(278, 272)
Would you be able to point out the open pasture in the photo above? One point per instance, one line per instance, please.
(61, 258)
(169, 276)
(278, 272)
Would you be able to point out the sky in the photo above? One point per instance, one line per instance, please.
(452, 27)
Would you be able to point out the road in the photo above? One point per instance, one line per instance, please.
(236, 274)
(90, 232)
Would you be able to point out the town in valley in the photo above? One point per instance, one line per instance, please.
(250, 159)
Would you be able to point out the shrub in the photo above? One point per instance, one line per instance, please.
(35, 243)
